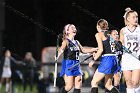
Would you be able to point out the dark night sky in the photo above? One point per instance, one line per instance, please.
(21, 35)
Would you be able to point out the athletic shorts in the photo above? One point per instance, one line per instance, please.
(129, 62)
(108, 64)
(6, 72)
(76, 71)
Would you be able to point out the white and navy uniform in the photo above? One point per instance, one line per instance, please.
(71, 57)
(108, 60)
(6, 68)
(131, 42)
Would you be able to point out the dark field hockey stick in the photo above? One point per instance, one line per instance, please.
(80, 62)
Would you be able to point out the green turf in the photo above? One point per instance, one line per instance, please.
(18, 88)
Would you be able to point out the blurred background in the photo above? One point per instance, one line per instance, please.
(33, 25)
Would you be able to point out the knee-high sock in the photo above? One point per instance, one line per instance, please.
(106, 90)
(7, 87)
(118, 87)
(62, 90)
(130, 90)
(137, 90)
(77, 90)
(114, 90)
(94, 90)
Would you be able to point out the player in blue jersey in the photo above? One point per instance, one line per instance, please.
(108, 61)
(119, 51)
(70, 49)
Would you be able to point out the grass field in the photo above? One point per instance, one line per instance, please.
(18, 88)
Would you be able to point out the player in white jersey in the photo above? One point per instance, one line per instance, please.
(130, 38)
(5, 70)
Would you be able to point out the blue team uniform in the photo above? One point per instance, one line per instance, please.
(71, 57)
(109, 61)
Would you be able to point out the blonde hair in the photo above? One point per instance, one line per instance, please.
(103, 24)
(127, 13)
(65, 31)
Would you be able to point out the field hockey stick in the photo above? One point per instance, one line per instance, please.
(124, 48)
(55, 71)
(80, 62)
(129, 52)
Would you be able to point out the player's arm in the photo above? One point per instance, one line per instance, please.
(100, 46)
(122, 36)
(61, 49)
(86, 50)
